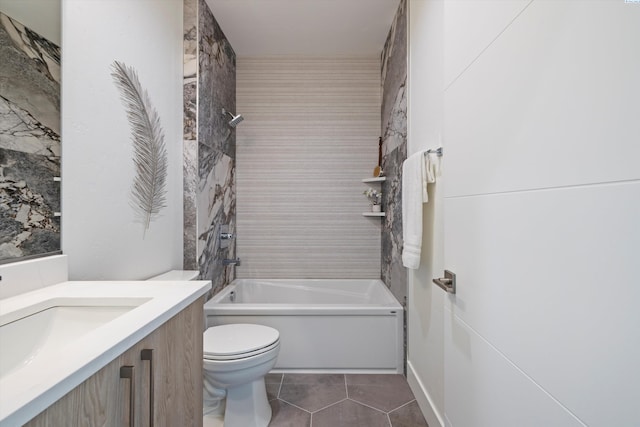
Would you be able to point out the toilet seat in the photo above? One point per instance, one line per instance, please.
(238, 341)
(247, 355)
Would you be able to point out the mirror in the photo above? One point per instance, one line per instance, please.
(29, 129)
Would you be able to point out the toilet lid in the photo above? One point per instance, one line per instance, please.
(237, 339)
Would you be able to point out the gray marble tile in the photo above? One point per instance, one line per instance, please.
(28, 199)
(190, 143)
(394, 132)
(189, 195)
(394, 136)
(21, 131)
(349, 414)
(216, 149)
(393, 273)
(394, 59)
(29, 89)
(29, 142)
(209, 144)
(215, 207)
(408, 416)
(216, 84)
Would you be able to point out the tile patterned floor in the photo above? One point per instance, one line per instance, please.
(337, 400)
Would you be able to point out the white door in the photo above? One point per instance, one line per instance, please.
(542, 213)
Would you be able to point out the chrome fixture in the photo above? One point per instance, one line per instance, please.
(225, 237)
(234, 261)
(235, 119)
(232, 296)
(436, 151)
(447, 283)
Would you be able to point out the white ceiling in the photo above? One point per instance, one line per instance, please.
(305, 27)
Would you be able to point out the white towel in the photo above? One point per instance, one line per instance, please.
(418, 170)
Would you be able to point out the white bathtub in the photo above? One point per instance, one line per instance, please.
(326, 325)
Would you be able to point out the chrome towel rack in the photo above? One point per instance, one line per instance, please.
(436, 151)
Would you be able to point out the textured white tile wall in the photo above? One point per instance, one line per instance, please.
(310, 135)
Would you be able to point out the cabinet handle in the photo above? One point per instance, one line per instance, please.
(147, 354)
(126, 372)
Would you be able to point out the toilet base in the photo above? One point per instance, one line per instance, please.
(247, 405)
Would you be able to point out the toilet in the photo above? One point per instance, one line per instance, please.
(236, 359)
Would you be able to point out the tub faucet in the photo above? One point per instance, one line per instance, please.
(234, 261)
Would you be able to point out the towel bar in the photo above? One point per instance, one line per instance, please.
(436, 151)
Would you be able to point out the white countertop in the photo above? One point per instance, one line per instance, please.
(28, 391)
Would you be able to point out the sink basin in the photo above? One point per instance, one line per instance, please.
(36, 331)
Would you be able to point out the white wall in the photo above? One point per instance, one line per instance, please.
(425, 302)
(542, 197)
(42, 16)
(309, 137)
(98, 230)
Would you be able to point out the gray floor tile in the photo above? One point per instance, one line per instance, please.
(313, 379)
(272, 383)
(273, 378)
(272, 390)
(384, 392)
(312, 392)
(408, 416)
(349, 414)
(311, 397)
(285, 415)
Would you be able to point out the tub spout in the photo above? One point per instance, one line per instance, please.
(234, 261)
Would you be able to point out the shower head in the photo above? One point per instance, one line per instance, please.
(234, 119)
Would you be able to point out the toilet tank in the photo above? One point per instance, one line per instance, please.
(177, 275)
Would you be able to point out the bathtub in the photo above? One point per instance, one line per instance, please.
(326, 325)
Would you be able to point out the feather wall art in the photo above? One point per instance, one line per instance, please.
(149, 152)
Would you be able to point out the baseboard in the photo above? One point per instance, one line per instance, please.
(429, 410)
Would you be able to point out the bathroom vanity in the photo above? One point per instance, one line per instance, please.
(142, 367)
(160, 375)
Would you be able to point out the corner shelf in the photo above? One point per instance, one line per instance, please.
(372, 181)
(380, 179)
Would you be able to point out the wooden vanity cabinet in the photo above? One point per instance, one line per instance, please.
(169, 386)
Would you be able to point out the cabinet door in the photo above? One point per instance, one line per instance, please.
(178, 369)
(102, 400)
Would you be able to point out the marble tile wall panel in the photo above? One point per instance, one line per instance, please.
(29, 142)
(215, 193)
(190, 138)
(394, 135)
